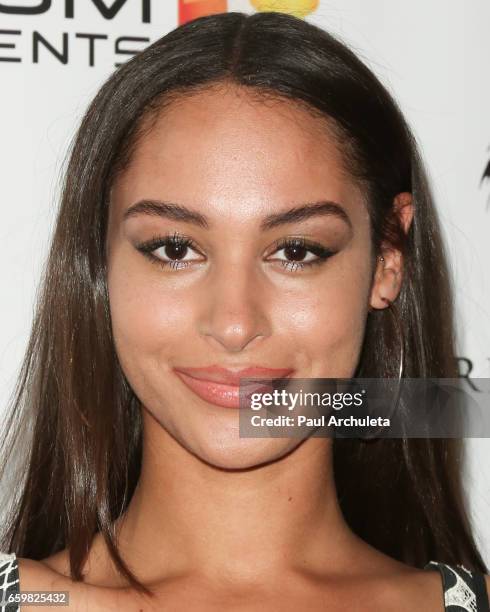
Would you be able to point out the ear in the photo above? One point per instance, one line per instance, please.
(389, 270)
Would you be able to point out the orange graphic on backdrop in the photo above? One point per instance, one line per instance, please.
(192, 9)
(298, 8)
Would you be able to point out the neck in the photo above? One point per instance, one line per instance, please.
(187, 516)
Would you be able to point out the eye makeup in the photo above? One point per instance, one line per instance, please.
(299, 251)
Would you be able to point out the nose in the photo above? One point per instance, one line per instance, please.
(235, 310)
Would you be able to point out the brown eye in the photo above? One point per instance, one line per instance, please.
(173, 251)
(295, 253)
(298, 253)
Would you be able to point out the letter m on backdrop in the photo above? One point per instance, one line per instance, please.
(36, 8)
(109, 11)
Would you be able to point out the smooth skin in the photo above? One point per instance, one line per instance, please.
(220, 522)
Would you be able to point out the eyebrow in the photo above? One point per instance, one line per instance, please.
(177, 212)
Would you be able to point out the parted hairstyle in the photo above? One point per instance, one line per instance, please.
(74, 426)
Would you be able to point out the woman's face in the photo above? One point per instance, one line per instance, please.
(237, 297)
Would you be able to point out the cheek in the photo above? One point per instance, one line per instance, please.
(149, 319)
(327, 322)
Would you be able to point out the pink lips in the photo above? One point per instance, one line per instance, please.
(220, 386)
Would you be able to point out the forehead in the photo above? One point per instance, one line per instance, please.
(227, 145)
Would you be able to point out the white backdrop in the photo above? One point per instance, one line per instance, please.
(434, 56)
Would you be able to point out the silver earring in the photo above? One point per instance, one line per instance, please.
(396, 316)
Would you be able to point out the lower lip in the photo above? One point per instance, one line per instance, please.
(227, 396)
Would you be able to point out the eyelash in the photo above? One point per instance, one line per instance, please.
(177, 240)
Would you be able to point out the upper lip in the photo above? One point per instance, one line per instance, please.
(231, 376)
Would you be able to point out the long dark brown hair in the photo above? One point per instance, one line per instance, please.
(74, 431)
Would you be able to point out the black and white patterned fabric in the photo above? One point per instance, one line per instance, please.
(464, 590)
(9, 582)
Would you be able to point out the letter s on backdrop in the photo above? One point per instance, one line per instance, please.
(37, 9)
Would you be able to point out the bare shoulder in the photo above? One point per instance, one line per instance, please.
(394, 585)
(414, 589)
(53, 574)
(37, 576)
(425, 589)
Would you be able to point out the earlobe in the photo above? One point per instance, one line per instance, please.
(387, 280)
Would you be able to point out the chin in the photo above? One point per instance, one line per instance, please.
(212, 435)
(230, 453)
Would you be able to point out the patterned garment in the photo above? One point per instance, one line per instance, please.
(9, 582)
(464, 591)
